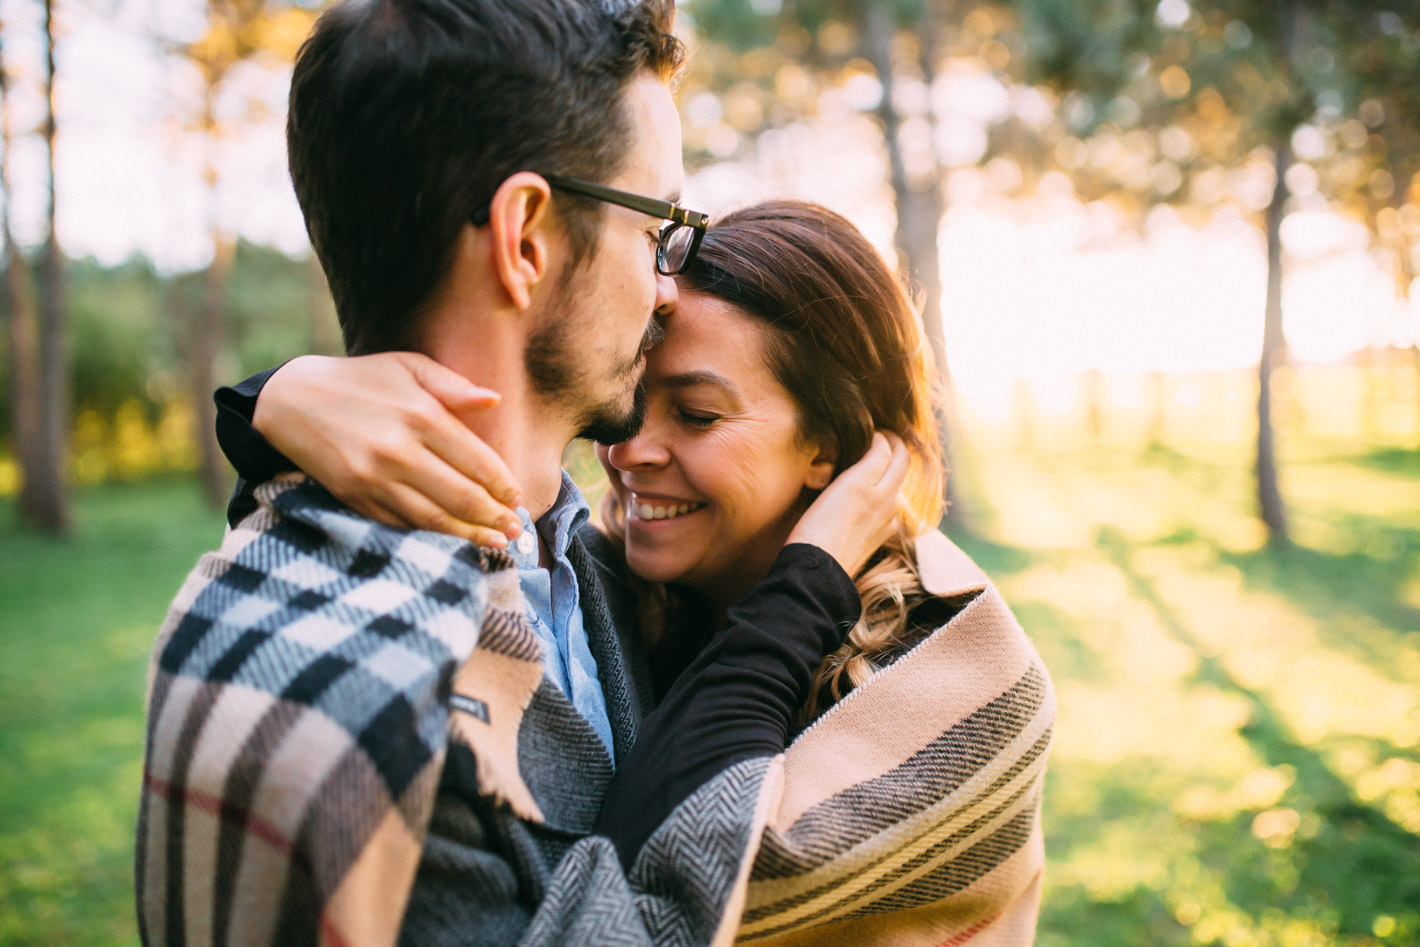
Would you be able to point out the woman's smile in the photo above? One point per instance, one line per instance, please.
(643, 508)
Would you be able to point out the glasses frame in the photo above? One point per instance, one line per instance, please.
(653, 207)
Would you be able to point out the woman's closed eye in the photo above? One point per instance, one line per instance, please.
(697, 419)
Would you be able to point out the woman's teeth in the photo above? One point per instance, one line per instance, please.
(642, 510)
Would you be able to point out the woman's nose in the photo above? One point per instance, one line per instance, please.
(645, 449)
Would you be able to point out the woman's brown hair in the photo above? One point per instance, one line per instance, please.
(844, 340)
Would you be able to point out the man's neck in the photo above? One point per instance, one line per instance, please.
(530, 444)
(528, 434)
(475, 329)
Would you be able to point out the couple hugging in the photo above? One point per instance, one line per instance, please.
(417, 697)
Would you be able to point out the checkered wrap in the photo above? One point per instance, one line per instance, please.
(298, 717)
(310, 681)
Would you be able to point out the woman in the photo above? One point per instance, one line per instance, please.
(909, 809)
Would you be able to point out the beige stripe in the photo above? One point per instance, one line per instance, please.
(939, 819)
(154, 882)
(179, 694)
(368, 906)
(506, 685)
(293, 774)
(228, 723)
(897, 850)
(296, 769)
(970, 661)
(1003, 903)
(864, 890)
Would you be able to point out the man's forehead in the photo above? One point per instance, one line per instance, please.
(654, 166)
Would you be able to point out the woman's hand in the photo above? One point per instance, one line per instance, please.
(858, 511)
(384, 433)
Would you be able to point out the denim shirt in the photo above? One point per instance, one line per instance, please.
(554, 605)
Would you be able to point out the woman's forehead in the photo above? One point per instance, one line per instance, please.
(706, 333)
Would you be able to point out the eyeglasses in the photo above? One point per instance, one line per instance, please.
(679, 238)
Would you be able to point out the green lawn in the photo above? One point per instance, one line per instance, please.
(78, 619)
(1237, 758)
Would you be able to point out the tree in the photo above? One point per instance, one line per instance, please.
(22, 326)
(1213, 89)
(48, 501)
(238, 30)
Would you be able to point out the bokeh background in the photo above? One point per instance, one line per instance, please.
(1168, 252)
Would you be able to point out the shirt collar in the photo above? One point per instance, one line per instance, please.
(558, 525)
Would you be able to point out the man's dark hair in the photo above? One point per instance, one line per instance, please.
(406, 116)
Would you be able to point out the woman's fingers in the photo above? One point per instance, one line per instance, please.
(412, 509)
(462, 499)
(388, 435)
(858, 511)
(453, 390)
(471, 459)
(899, 460)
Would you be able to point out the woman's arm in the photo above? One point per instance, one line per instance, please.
(386, 434)
(738, 698)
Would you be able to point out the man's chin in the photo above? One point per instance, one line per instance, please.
(608, 425)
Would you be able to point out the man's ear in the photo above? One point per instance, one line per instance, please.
(519, 221)
(821, 468)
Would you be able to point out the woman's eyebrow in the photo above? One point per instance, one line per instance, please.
(701, 377)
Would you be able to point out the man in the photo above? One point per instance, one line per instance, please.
(359, 734)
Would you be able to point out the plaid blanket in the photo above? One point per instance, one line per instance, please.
(306, 690)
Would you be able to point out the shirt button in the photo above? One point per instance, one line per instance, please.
(526, 544)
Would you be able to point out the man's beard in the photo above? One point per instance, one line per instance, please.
(608, 428)
(556, 376)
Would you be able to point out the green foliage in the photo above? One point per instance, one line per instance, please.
(121, 337)
(123, 334)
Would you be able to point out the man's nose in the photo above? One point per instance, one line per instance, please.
(667, 294)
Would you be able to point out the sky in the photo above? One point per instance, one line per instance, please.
(1034, 288)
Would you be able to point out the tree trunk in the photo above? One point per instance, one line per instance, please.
(51, 482)
(919, 216)
(1094, 404)
(1159, 423)
(21, 330)
(206, 334)
(1269, 495)
(206, 343)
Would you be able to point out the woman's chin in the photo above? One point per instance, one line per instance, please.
(652, 565)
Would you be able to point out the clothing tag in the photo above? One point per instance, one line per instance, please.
(470, 705)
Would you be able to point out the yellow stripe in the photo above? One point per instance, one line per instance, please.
(852, 892)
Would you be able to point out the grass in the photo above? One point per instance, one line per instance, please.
(1237, 757)
(79, 617)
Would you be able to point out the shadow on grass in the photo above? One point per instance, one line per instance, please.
(1391, 460)
(1368, 580)
(1357, 865)
(1139, 916)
